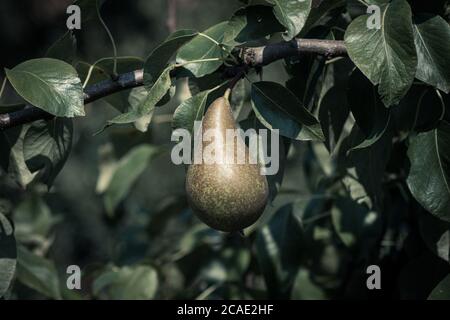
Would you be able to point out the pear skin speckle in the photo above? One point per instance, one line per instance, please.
(227, 197)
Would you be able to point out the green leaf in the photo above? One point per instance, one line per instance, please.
(273, 180)
(420, 110)
(333, 113)
(46, 147)
(252, 23)
(8, 254)
(436, 234)
(305, 288)
(432, 39)
(278, 108)
(135, 98)
(367, 109)
(127, 283)
(442, 290)
(204, 46)
(292, 14)
(319, 12)
(429, 174)
(65, 48)
(37, 273)
(278, 248)
(127, 171)
(356, 225)
(158, 59)
(387, 56)
(366, 167)
(33, 219)
(190, 110)
(49, 84)
(12, 157)
(147, 105)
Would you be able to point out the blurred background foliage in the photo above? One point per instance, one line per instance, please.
(314, 241)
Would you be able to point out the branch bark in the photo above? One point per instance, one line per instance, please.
(252, 57)
(94, 92)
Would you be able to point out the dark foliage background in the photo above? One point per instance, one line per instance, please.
(314, 241)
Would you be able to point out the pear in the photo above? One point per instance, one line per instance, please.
(227, 196)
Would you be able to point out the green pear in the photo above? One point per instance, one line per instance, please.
(226, 195)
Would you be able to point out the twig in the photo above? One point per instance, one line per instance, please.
(251, 57)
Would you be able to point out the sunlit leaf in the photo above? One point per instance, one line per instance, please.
(387, 56)
(49, 84)
(205, 46)
(292, 14)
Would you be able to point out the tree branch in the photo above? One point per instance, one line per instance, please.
(94, 92)
(261, 56)
(252, 57)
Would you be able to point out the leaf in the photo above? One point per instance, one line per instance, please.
(420, 110)
(190, 110)
(37, 273)
(429, 174)
(387, 56)
(46, 147)
(127, 171)
(33, 219)
(147, 105)
(12, 157)
(442, 290)
(436, 234)
(65, 48)
(278, 245)
(366, 167)
(432, 39)
(274, 180)
(278, 108)
(135, 98)
(367, 109)
(8, 254)
(158, 59)
(127, 283)
(356, 225)
(305, 288)
(292, 14)
(252, 23)
(319, 12)
(205, 45)
(333, 113)
(49, 84)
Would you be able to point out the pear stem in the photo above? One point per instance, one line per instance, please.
(235, 80)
